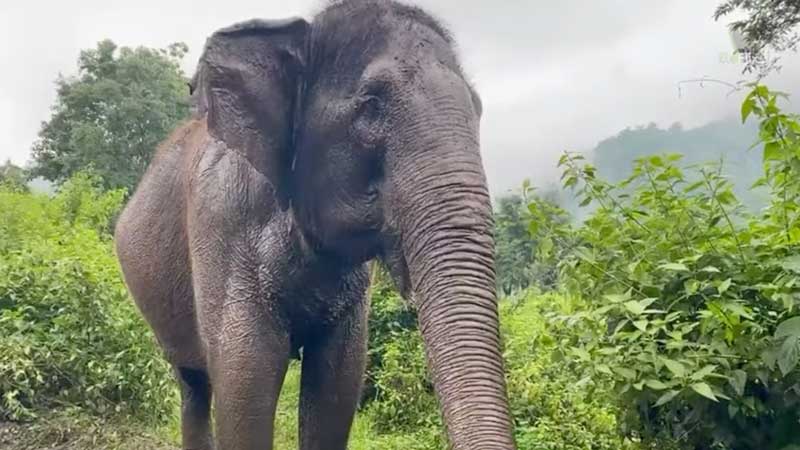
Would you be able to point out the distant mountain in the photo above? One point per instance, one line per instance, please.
(726, 140)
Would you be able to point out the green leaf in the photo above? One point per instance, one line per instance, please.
(704, 372)
(656, 161)
(724, 286)
(602, 368)
(705, 390)
(789, 327)
(676, 267)
(675, 367)
(581, 353)
(747, 108)
(789, 355)
(738, 381)
(792, 263)
(617, 298)
(641, 324)
(772, 152)
(669, 395)
(625, 372)
(634, 307)
(656, 385)
(794, 234)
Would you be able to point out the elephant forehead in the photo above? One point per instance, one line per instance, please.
(349, 35)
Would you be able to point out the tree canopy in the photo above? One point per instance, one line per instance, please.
(113, 114)
(769, 25)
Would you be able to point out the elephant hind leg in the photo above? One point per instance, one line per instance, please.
(195, 409)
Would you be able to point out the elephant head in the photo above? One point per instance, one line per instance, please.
(368, 132)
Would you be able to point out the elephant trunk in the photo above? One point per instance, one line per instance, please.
(449, 255)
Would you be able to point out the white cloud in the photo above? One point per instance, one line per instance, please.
(553, 75)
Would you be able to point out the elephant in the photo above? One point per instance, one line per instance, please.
(313, 148)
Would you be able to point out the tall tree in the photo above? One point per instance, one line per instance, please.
(768, 26)
(113, 114)
(513, 245)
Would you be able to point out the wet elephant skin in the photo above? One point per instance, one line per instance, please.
(315, 147)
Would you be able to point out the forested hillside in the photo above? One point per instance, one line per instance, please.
(728, 142)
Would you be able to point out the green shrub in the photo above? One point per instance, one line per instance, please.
(398, 393)
(693, 302)
(554, 406)
(71, 335)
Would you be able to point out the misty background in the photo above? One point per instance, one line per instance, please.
(553, 76)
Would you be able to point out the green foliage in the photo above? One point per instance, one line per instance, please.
(12, 177)
(398, 394)
(554, 406)
(694, 302)
(725, 140)
(543, 388)
(70, 333)
(513, 246)
(112, 116)
(767, 25)
(516, 245)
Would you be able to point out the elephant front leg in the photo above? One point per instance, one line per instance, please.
(333, 370)
(195, 409)
(248, 364)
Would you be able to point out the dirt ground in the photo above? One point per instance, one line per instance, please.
(76, 434)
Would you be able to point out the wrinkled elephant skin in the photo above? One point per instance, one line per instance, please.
(314, 148)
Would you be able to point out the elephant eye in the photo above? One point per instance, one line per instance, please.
(370, 108)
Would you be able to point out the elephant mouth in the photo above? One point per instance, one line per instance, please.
(358, 246)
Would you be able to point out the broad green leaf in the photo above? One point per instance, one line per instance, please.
(656, 161)
(675, 367)
(794, 234)
(704, 372)
(792, 263)
(724, 286)
(789, 327)
(644, 303)
(617, 298)
(789, 355)
(625, 372)
(602, 368)
(634, 307)
(641, 324)
(655, 385)
(581, 353)
(669, 395)
(738, 381)
(705, 390)
(677, 267)
(772, 151)
(747, 108)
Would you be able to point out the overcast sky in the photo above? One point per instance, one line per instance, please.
(552, 75)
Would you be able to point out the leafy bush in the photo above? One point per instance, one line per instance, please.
(70, 333)
(398, 394)
(553, 407)
(693, 310)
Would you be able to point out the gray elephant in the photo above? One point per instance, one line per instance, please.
(314, 148)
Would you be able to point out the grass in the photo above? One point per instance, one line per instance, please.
(72, 429)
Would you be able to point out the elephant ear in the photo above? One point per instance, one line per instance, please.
(247, 87)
